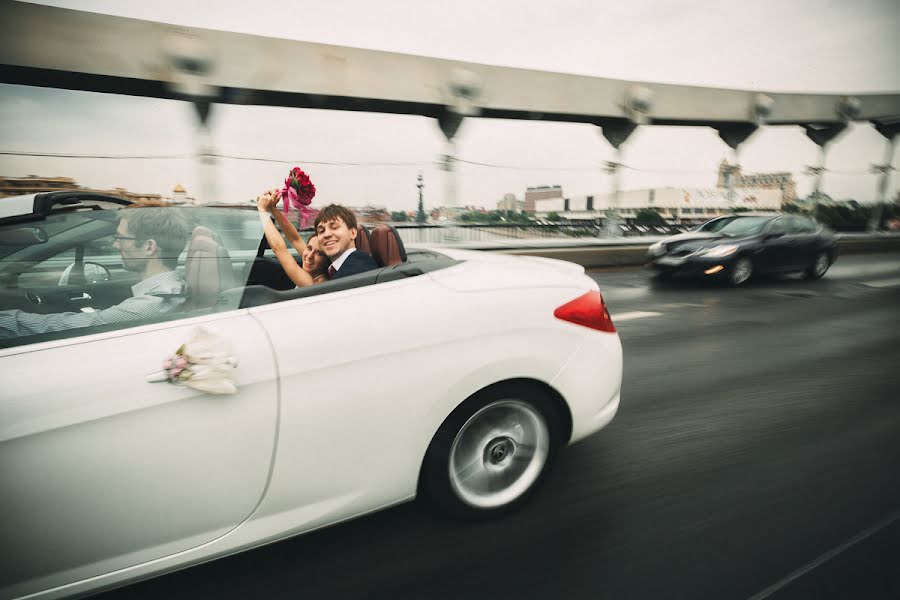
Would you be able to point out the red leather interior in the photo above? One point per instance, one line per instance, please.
(363, 241)
(387, 247)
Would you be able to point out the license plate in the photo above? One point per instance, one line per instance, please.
(670, 261)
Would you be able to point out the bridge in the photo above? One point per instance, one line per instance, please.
(68, 49)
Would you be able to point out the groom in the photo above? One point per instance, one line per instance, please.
(336, 229)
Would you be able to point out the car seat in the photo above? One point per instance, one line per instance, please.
(207, 269)
(363, 240)
(387, 247)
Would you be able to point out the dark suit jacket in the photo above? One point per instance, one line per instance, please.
(357, 262)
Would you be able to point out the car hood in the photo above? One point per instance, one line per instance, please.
(689, 242)
(691, 236)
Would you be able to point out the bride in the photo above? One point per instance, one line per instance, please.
(314, 265)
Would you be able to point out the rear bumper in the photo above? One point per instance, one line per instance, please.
(591, 383)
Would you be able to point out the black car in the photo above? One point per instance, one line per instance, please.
(735, 247)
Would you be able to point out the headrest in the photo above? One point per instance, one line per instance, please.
(207, 267)
(387, 247)
(363, 241)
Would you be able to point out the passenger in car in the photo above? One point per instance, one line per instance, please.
(314, 263)
(149, 240)
(336, 229)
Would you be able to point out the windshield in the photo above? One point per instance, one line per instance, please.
(52, 226)
(716, 224)
(744, 226)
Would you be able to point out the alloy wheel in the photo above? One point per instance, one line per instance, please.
(821, 265)
(741, 271)
(498, 454)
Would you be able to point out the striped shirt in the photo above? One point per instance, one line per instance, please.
(150, 298)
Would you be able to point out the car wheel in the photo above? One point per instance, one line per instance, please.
(819, 266)
(741, 271)
(491, 453)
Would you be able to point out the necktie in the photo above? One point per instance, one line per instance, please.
(331, 271)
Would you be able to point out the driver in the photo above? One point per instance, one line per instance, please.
(149, 240)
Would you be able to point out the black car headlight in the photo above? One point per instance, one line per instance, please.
(720, 251)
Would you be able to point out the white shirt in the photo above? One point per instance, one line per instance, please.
(340, 259)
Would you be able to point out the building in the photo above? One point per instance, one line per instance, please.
(125, 194)
(782, 181)
(510, 202)
(546, 195)
(32, 184)
(179, 195)
(370, 214)
(734, 191)
(677, 205)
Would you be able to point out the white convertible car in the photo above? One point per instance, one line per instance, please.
(446, 374)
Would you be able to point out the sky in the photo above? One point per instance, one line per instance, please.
(799, 46)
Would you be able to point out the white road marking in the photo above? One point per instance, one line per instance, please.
(627, 316)
(883, 283)
(778, 585)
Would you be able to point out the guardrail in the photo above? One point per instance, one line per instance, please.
(515, 232)
(612, 252)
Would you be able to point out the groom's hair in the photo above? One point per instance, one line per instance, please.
(166, 226)
(336, 211)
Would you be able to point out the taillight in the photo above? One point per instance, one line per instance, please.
(588, 310)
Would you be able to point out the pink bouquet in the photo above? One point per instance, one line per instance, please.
(204, 363)
(176, 366)
(298, 191)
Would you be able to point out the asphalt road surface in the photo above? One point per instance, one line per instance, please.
(756, 454)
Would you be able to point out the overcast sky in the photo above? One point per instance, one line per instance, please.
(801, 46)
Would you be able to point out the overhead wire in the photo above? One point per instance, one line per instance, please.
(419, 164)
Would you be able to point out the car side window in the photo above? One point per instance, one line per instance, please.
(802, 225)
(779, 226)
(90, 276)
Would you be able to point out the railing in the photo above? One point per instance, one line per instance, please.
(480, 232)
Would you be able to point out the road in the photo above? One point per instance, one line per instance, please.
(756, 454)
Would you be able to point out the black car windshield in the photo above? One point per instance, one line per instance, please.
(744, 226)
(716, 224)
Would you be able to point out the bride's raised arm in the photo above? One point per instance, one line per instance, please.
(265, 204)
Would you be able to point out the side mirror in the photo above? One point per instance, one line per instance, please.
(774, 234)
(93, 273)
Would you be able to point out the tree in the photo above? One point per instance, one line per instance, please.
(399, 216)
(553, 216)
(649, 216)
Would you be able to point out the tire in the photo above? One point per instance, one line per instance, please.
(819, 266)
(740, 271)
(491, 453)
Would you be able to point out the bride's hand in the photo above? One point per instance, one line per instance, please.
(267, 201)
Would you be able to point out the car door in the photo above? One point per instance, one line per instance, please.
(351, 366)
(803, 248)
(774, 248)
(103, 469)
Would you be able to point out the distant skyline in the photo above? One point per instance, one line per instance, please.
(807, 45)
